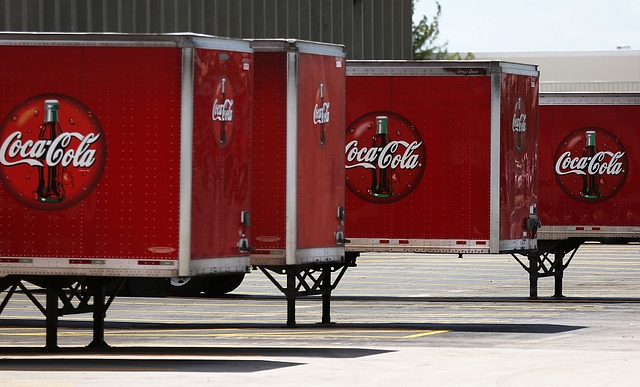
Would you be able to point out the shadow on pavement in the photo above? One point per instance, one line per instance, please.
(317, 352)
(452, 327)
(141, 365)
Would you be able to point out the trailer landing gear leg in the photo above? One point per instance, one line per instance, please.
(74, 295)
(326, 295)
(533, 275)
(99, 312)
(307, 280)
(559, 273)
(53, 288)
(548, 261)
(291, 297)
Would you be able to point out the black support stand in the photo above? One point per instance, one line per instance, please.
(75, 295)
(549, 261)
(306, 280)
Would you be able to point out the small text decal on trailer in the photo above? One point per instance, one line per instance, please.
(385, 157)
(52, 152)
(321, 115)
(591, 165)
(519, 125)
(222, 112)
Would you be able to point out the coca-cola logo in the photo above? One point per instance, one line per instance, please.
(519, 125)
(52, 152)
(321, 115)
(385, 157)
(591, 165)
(222, 112)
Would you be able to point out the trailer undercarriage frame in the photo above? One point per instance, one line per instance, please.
(549, 261)
(65, 296)
(308, 280)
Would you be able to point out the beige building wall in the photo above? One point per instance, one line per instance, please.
(613, 70)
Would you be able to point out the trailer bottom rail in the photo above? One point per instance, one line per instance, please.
(77, 295)
(306, 280)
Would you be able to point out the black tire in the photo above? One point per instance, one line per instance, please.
(222, 284)
(187, 286)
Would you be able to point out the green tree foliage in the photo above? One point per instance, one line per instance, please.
(425, 35)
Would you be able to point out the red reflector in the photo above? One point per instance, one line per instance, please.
(151, 263)
(579, 228)
(481, 242)
(461, 242)
(9, 260)
(79, 261)
(386, 241)
(404, 242)
(596, 229)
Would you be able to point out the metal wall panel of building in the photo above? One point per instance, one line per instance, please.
(370, 29)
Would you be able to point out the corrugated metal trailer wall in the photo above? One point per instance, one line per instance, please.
(370, 29)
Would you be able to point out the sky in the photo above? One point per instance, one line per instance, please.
(534, 25)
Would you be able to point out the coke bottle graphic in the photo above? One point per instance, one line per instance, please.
(322, 121)
(223, 134)
(517, 123)
(50, 188)
(381, 185)
(590, 187)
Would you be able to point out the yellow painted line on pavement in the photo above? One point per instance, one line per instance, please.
(364, 333)
(19, 384)
(427, 333)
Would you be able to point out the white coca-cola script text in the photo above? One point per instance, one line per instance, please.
(14, 151)
(222, 111)
(383, 157)
(321, 113)
(519, 123)
(602, 163)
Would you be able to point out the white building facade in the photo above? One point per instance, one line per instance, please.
(580, 71)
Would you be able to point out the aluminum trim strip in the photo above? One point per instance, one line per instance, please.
(110, 267)
(512, 245)
(320, 255)
(291, 217)
(186, 162)
(519, 69)
(592, 231)
(239, 264)
(224, 44)
(321, 49)
(435, 68)
(494, 173)
(93, 39)
(438, 246)
(302, 46)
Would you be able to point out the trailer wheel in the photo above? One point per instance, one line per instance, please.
(187, 286)
(223, 284)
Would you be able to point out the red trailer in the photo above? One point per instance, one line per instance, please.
(588, 181)
(122, 156)
(298, 163)
(441, 156)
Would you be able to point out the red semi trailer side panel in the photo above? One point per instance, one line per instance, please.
(223, 90)
(105, 187)
(461, 177)
(589, 161)
(518, 154)
(298, 181)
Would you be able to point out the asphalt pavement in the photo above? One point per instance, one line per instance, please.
(397, 320)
